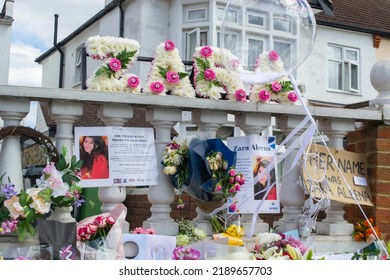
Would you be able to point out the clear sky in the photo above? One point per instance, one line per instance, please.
(33, 32)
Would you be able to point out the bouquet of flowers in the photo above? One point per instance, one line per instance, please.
(57, 187)
(182, 253)
(278, 246)
(365, 231)
(188, 233)
(176, 164)
(100, 236)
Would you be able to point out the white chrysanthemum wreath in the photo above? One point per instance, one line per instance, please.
(118, 55)
(167, 73)
(280, 91)
(211, 76)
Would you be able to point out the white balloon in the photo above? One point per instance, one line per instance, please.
(285, 26)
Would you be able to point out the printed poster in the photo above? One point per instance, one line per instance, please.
(255, 156)
(351, 166)
(116, 156)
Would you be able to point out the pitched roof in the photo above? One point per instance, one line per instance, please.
(359, 15)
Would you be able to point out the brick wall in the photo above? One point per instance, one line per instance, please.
(374, 141)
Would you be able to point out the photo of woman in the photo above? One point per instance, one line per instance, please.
(261, 179)
(94, 155)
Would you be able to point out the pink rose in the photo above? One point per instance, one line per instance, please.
(237, 186)
(133, 81)
(100, 222)
(233, 207)
(240, 95)
(115, 64)
(169, 45)
(235, 63)
(292, 96)
(264, 95)
(172, 77)
(232, 172)
(157, 87)
(209, 75)
(276, 86)
(273, 55)
(231, 180)
(110, 220)
(232, 190)
(91, 229)
(218, 188)
(206, 51)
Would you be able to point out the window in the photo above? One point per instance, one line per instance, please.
(256, 20)
(196, 14)
(230, 41)
(194, 38)
(78, 59)
(343, 69)
(283, 25)
(230, 16)
(255, 47)
(193, 13)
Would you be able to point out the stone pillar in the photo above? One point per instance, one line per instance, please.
(162, 195)
(208, 122)
(12, 111)
(114, 115)
(291, 194)
(65, 113)
(253, 124)
(334, 224)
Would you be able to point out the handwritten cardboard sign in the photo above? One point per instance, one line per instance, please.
(347, 180)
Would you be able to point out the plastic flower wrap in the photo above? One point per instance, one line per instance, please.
(182, 253)
(271, 246)
(100, 236)
(176, 164)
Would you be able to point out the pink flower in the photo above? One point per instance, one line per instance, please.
(91, 229)
(218, 188)
(157, 87)
(209, 74)
(206, 51)
(292, 96)
(232, 172)
(233, 207)
(276, 86)
(240, 95)
(150, 231)
(172, 77)
(273, 55)
(231, 180)
(133, 81)
(100, 222)
(232, 190)
(264, 95)
(237, 187)
(234, 63)
(169, 45)
(180, 206)
(115, 64)
(110, 220)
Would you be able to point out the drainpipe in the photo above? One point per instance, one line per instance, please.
(121, 20)
(60, 79)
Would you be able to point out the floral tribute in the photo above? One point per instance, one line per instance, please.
(117, 54)
(175, 162)
(98, 228)
(188, 233)
(167, 73)
(211, 78)
(183, 253)
(365, 231)
(57, 187)
(278, 246)
(141, 230)
(280, 91)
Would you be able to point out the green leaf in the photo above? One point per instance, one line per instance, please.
(183, 75)
(200, 77)
(202, 64)
(104, 71)
(61, 163)
(217, 83)
(46, 194)
(125, 57)
(162, 71)
(24, 199)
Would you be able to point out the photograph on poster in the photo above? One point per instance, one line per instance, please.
(116, 156)
(255, 158)
(94, 155)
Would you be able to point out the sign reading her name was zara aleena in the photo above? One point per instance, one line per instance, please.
(351, 166)
(116, 156)
(254, 155)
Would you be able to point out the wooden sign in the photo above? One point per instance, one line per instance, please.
(347, 177)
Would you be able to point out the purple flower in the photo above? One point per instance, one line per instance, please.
(181, 253)
(240, 95)
(133, 81)
(115, 64)
(264, 95)
(172, 77)
(169, 45)
(276, 86)
(209, 75)
(9, 190)
(206, 51)
(273, 55)
(292, 96)
(157, 87)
